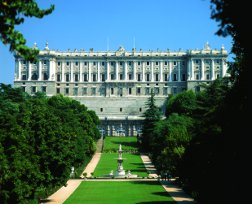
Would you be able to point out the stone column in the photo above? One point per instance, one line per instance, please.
(152, 73)
(108, 71)
(89, 72)
(19, 70)
(51, 70)
(212, 69)
(192, 68)
(202, 69)
(63, 71)
(189, 70)
(179, 68)
(71, 71)
(223, 68)
(125, 71)
(161, 71)
(80, 73)
(170, 71)
(134, 70)
(116, 70)
(143, 67)
(98, 71)
(29, 66)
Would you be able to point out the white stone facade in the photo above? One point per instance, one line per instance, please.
(116, 85)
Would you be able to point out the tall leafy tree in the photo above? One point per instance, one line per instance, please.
(13, 13)
(152, 115)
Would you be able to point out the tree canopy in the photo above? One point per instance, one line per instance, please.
(13, 13)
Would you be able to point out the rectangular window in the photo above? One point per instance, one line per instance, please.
(103, 77)
(130, 91)
(94, 63)
(43, 89)
(165, 91)
(140, 109)
(23, 77)
(45, 62)
(174, 90)
(112, 91)
(85, 63)
(138, 77)
(58, 90)
(166, 77)
(156, 90)
(76, 77)
(147, 91)
(67, 77)
(112, 76)
(121, 76)
(23, 88)
(66, 91)
(174, 63)
(75, 91)
(103, 63)
(76, 63)
(84, 91)
(156, 77)
(121, 109)
(67, 63)
(101, 109)
(33, 89)
(111, 63)
(207, 77)
(58, 77)
(156, 63)
(147, 63)
(130, 76)
(165, 63)
(138, 90)
(174, 77)
(147, 77)
(183, 77)
(93, 91)
(139, 63)
(94, 77)
(45, 76)
(129, 63)
(197, 76)
(58, 63)
(85, 77)
(121, 63)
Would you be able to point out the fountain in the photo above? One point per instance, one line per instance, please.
(120, 171)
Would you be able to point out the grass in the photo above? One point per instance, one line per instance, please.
(132, 162)
(111, 144)
(124, 192)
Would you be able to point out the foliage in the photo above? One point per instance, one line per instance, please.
(182, 103)
(13, 13)
(169, 141)
(39, 143)
(152, 115)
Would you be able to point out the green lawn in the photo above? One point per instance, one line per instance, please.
(132, 162)
(124, 192)
(111, 144)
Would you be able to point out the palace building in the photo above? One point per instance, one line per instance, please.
(117, 84)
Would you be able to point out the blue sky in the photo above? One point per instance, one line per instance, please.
(103, 24)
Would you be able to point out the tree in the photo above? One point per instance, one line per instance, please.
(13, 13)
(152, 115)
(170, 139)
(182, 103)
